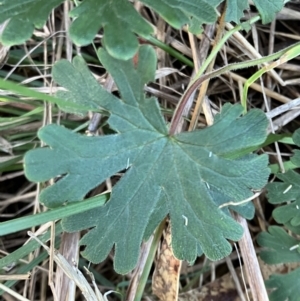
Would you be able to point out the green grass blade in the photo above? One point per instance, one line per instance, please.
(22, 223)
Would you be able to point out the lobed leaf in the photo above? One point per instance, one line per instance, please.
(267, 9)
(24, 15)
(286, 286)
(120, 22)
(178, 175)
(235, 10)
(192, 12)
(286, 191)
(119, 19)
(277, 246)
(296, 157)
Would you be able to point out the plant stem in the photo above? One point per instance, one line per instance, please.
(196, 83)
(171, 51)
(218, 47)
(180, 107)
(149, 262)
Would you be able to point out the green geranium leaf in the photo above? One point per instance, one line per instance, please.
(181, 176)
(281, 248)
(286, 191)
(24, 15)
(296, 137)
(286, 286)
(267, 9)
(192, 12)
(119, 20)
(296, 157)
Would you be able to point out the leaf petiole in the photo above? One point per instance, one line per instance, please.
(287, 53)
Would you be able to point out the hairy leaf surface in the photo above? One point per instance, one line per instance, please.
(286, 191)
(235, 10)
(267, 9)
(24, 15)
(178, 13)
(164, 175)
(296, 157)
(119, 19)
(286, 286)
(277, 246)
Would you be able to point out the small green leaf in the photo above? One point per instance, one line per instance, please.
(286, 191)
(235, 10)
(179, 12)
(247, 210)
(268, 9)
(288, 213)
(24, 15)
(296, 137)
(164, 175)
(286, 286)
(278, 246)
(119, 20)
(296, 157)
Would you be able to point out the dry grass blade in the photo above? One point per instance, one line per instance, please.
(72, 272)
(65, 289)
(252, 268)
(15, 277)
